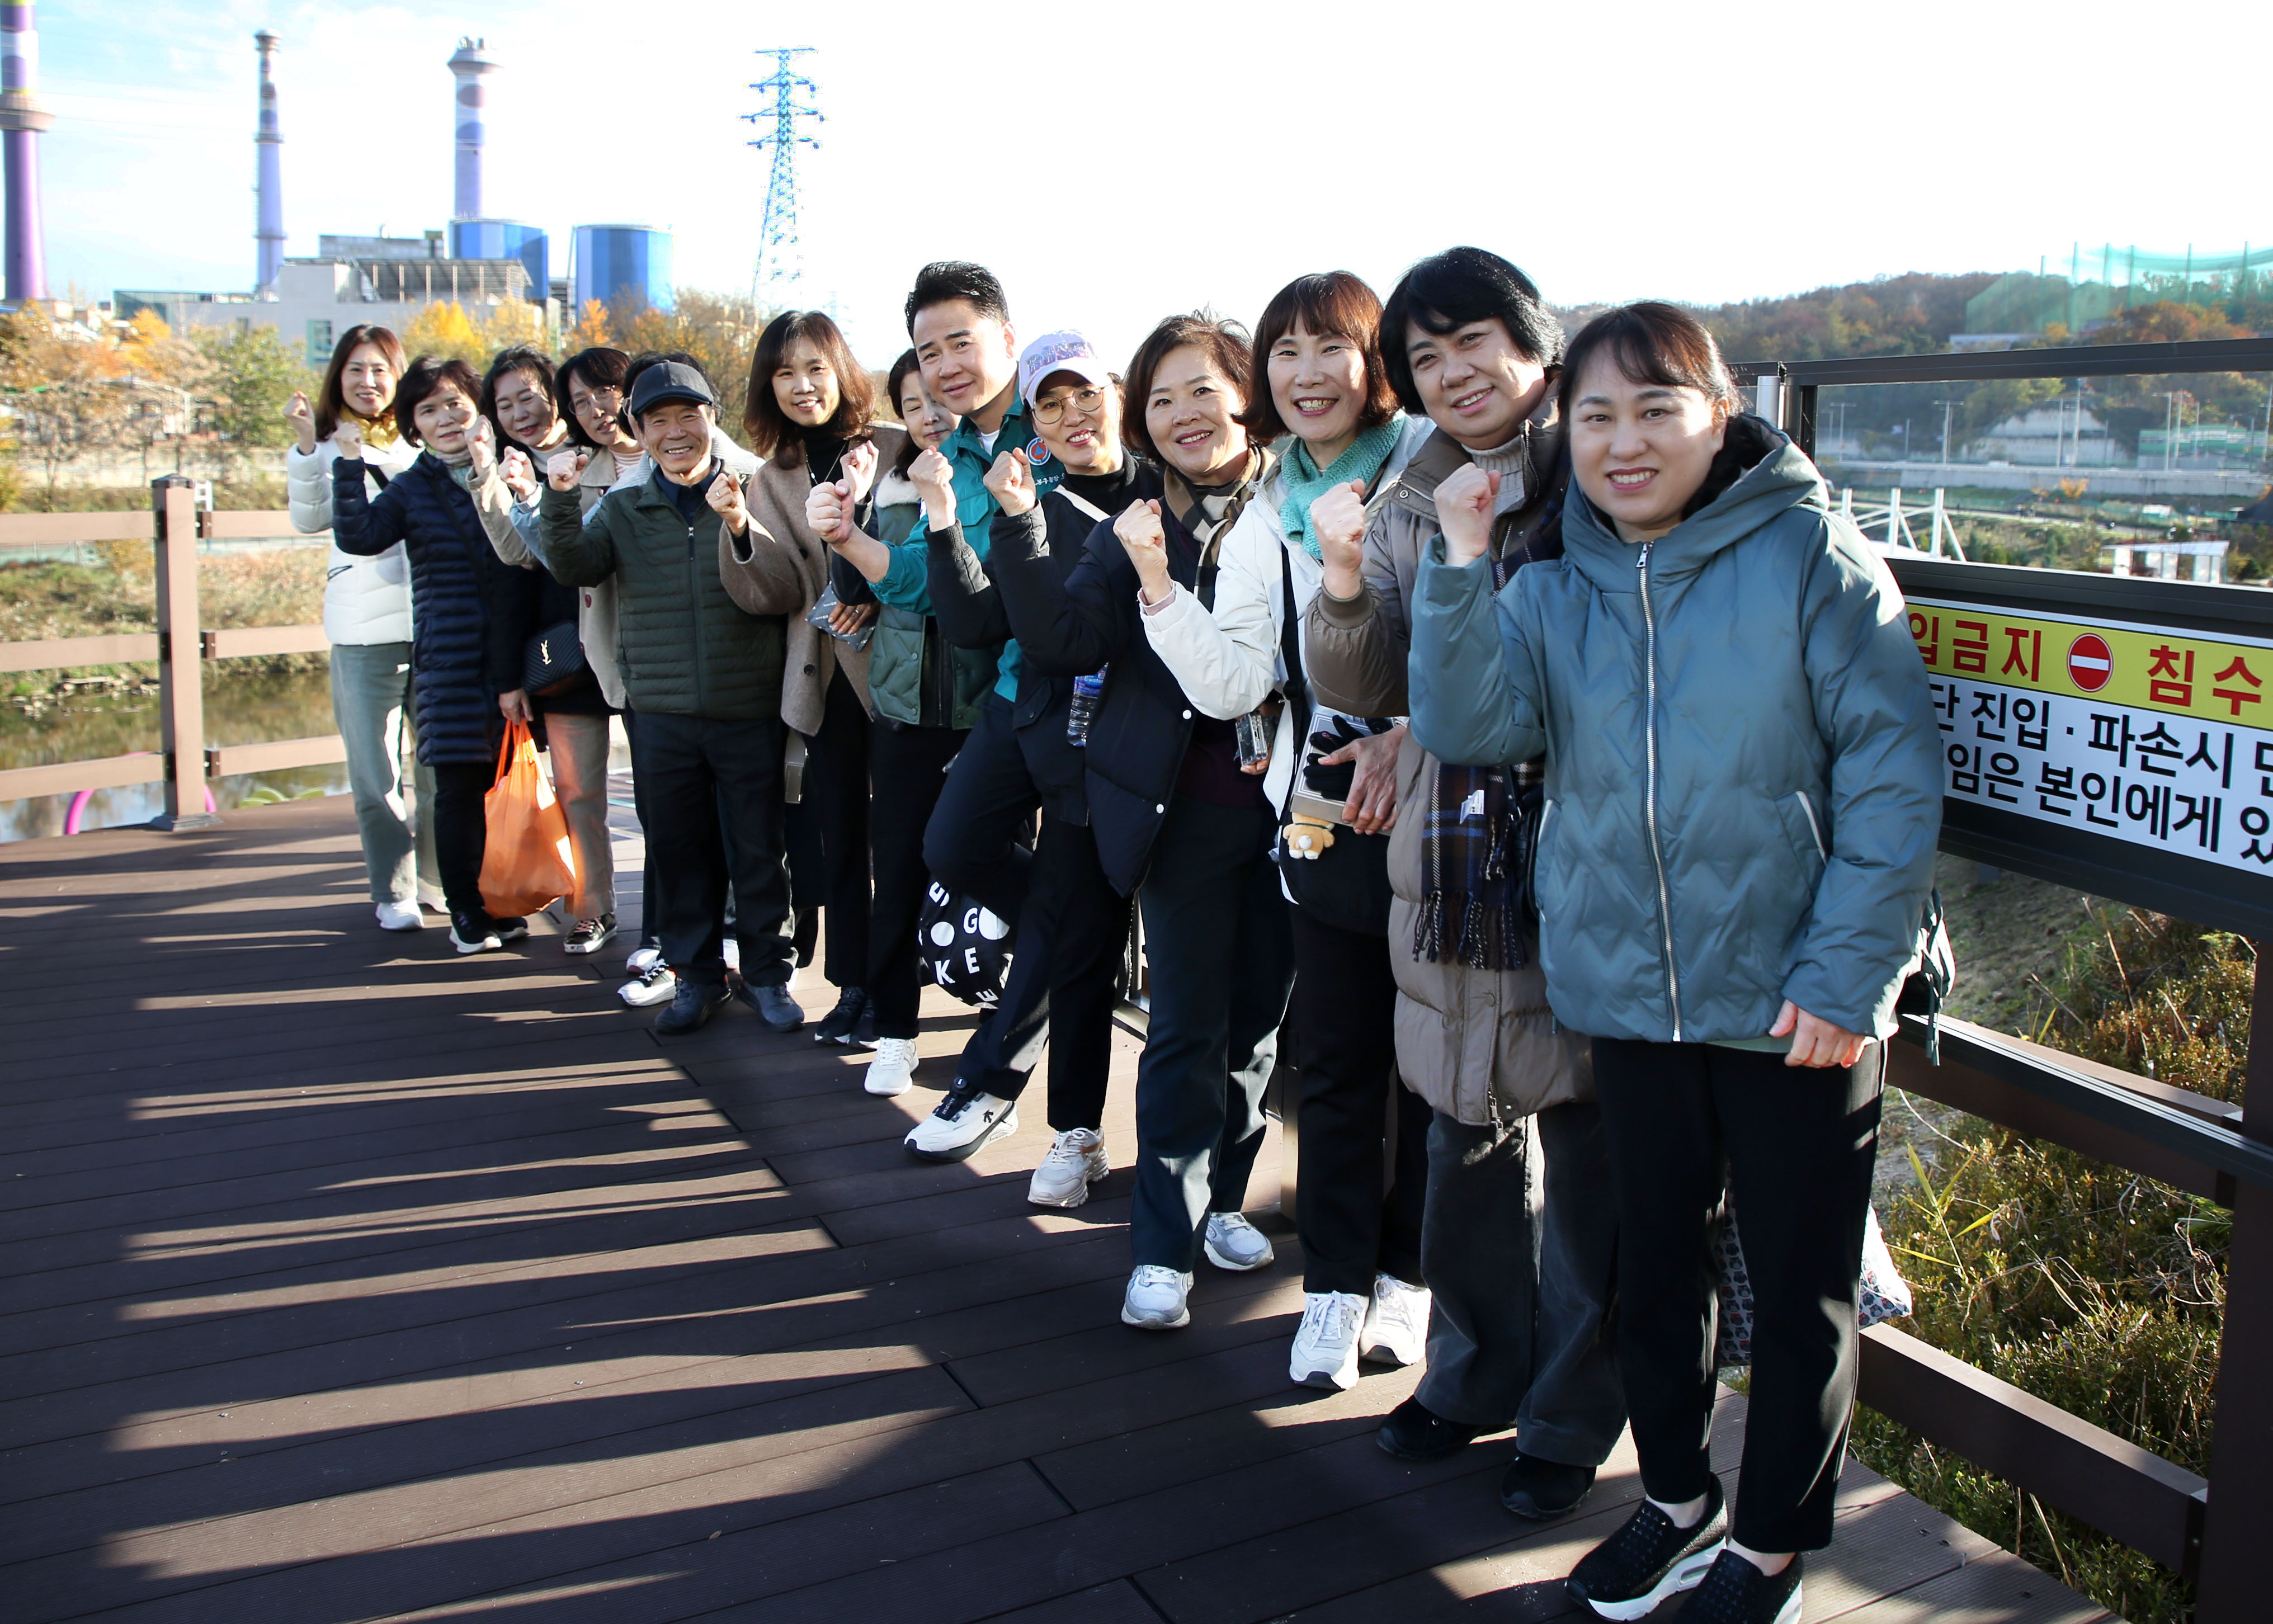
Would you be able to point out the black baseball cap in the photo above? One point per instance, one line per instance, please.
(671, 380)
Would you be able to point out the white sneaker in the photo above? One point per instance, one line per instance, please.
(1396, 1323)
(1075, 1161)
(1325, 1347)
(1155, 1299)
(893, 1070)
(642, 959)
(1233, 1243)
(961, 1125)
(402, 915)
(732, 949)
(654, 985)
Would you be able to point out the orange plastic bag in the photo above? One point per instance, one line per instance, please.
(527, 861)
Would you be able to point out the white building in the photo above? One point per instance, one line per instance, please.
(2057, 434)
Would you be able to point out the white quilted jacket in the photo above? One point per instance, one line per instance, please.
(366, 600)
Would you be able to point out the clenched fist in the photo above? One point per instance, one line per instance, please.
(1146, 544)
(566, 468)
(933, 478)
(1338, 520)
(1464, 511)
(302, 418)
(725, 498)
(481, 446)
(520, 478)
(347, 442)
(1011, 482)
(828, 510)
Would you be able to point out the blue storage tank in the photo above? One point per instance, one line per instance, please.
(610, 260)
(507, 239)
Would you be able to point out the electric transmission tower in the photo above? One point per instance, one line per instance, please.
(790, 99)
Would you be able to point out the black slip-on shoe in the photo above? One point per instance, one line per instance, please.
(1736, 1592)
(773, 1005)
(1412, 1432)
(1629, 1574)
(1542, 1490)
(691, 1007)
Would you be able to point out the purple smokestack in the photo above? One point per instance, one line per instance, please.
(468, 65)
(268, 231)
(22, 117)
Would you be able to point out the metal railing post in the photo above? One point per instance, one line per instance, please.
(2230, 1584)
(181, 657)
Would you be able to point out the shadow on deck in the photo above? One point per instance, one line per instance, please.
(347, 1279)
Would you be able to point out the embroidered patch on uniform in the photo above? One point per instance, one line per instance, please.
(1036, 451)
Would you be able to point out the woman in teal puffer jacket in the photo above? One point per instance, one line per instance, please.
(1744, 794)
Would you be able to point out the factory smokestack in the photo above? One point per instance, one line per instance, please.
(268, 230)
(469, 65)
(22, 117)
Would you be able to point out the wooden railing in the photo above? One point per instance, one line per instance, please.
(181, 645)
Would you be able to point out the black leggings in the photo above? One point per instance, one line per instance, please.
(1795, 1147)
(461, 830)
(909, 765)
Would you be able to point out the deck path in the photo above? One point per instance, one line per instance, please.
(347, 1280)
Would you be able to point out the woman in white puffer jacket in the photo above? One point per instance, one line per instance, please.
(366, 612)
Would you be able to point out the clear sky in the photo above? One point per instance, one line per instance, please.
(1113, 163)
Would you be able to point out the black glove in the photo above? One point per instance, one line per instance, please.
(1332, 782)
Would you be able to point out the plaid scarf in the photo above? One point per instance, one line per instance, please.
(1477, 839)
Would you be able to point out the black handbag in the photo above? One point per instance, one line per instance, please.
(966, 950)
(553, 662)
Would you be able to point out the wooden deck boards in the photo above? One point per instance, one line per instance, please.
(348, 1280)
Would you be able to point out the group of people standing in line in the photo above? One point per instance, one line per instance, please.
(1505, 720)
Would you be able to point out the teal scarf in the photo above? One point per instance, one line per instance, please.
(1305, 484)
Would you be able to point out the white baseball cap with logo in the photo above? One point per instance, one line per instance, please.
(1058, 352)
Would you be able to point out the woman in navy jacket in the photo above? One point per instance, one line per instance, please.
(1172, 810)
(471, 617)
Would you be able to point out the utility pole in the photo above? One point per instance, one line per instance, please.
(1946, 407)
(778, 263)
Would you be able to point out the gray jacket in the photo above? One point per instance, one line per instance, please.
(1479, 1045)
(1744, 776)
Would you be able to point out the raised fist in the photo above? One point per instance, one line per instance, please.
(933, 478)
(1464, 511)
(860, 470)
(566, 468)
(481, 446)
(346, 441)
(1338, 520)
(725, 498)
(1011, 482)
(518, 476)
(828, 510)
(302, 419)
(1146, 544)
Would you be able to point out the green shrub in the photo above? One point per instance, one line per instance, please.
(2093, 1287)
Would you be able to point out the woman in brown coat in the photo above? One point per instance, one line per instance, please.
(808, 415)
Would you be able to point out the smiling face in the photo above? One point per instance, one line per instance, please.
(1640, 450)
(677, 434)
(1318, 383)
(367, 382)
(967, 359)
(1474, 382)
(927, 421)
(442, 419)
(805, 384)
(525, 411)
(1188, 412)
(600, 411)
(1086, 437)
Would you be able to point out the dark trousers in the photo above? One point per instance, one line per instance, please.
(908, 767)
(1795, 1147)
(461, 830)
(1356, 1219)
(1222, 959)
(979, 842)
(836, 801)
(1519, 1248)
(714, 814)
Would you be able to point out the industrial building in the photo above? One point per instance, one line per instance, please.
(480, 262)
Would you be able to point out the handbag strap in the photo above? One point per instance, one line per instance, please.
(1082, 505)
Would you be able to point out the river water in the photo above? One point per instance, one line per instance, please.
(240, 710)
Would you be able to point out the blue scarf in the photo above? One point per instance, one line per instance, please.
(1306, 483)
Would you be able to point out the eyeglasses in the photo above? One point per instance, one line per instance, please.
(1088, 402)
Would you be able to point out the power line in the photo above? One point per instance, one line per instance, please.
(778, 263)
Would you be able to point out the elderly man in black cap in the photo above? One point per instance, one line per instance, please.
(705, 676)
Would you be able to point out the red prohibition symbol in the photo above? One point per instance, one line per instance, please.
(2090, 663)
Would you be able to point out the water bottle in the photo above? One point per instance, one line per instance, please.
(1087, 691)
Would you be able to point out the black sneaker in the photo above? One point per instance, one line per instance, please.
(474, 933)
(1545, 1490)
(691, 1007)
(512, 930)
(1415, 1433)
(773, 1005)
(590, 935)
(1736, 1592)
(864, 1029)
(836, 1026)
(1648, 1559)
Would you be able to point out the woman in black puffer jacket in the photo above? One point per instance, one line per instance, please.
(471, 617)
